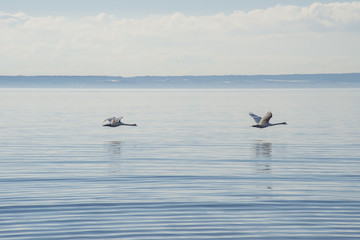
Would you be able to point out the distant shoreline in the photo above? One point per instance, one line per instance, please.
(328, 80)
(161, 76)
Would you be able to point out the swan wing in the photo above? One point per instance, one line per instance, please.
(266, 118)
(109, 119)
(256, 118)
(117, 120)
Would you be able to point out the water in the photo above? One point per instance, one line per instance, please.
(192, 169)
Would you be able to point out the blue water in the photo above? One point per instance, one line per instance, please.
(192, 169)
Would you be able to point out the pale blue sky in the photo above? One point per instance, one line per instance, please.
(141, 8)
(184, 37)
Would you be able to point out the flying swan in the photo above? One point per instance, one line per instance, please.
(115, 122)
(263, 122)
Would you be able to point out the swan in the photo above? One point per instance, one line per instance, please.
(115, 122)
(263, 122)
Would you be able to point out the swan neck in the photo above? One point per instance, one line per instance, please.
(126, 124)
(282, 123)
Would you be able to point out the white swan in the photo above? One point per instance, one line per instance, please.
(115, 122)
(263, 122)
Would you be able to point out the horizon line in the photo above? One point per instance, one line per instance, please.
(214, 75)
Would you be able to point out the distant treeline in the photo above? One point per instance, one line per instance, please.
(347, 80)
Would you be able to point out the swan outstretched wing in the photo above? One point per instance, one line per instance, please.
(109, 119)
(113, 119)
(256, 118)
(266, 118)
(117, 120)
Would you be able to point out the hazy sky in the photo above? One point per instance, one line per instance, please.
(184, 37)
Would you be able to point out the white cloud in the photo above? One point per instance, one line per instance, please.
(281, 39)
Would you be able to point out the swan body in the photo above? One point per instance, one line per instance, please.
(263, 122)
(115, 122)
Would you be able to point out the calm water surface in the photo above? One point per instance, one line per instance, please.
(192, 169)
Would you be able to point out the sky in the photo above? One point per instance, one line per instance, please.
(187, 37)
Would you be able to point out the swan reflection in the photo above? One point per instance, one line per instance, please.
(114, 147)
(262, 149)
(114, 154)
(263, 153)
